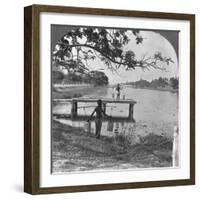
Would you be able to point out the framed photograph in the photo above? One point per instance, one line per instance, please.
(109, 99)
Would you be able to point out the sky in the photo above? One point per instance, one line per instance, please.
(152, 43)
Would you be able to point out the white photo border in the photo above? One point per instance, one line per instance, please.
(47, 179)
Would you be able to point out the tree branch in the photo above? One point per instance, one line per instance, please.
(98, 50)
(144, 64)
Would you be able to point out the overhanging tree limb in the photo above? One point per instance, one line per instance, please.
(107, 45)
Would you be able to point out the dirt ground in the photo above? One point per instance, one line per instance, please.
(75, 150)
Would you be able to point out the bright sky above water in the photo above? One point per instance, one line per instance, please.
(152, 43)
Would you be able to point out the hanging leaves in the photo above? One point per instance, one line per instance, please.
(79, 45)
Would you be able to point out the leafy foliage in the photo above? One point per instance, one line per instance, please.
(57, 76)
(80, 45)
(174, 82)
(157, 83)
(160, 82)
(98, 78)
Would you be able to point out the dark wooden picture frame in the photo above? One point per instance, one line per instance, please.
(32, 93)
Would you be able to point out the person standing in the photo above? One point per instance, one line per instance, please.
(118, 89)
(98, 119)
(113, 92)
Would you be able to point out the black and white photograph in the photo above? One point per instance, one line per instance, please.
(114, 99)
(109, 99)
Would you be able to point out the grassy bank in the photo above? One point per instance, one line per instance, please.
(75, 150)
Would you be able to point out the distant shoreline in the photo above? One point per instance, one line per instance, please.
(159, 89)
(79, 91)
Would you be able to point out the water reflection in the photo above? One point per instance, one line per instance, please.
(109, 128)
(155, 112)
(152, 105)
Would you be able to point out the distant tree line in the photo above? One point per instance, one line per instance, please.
(96, 78)
(172, 82)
